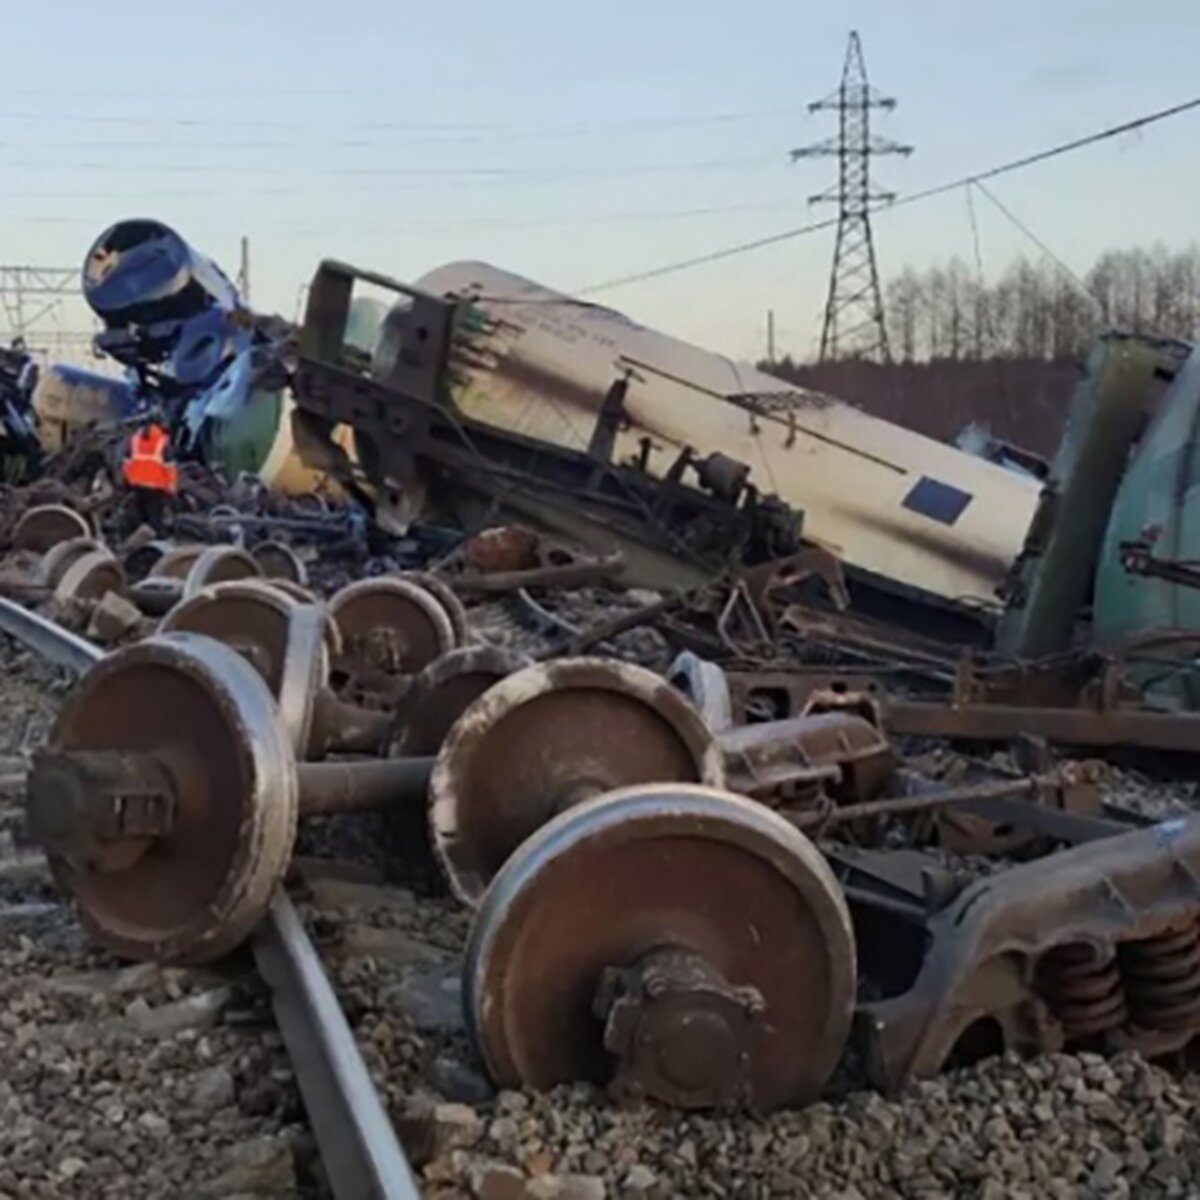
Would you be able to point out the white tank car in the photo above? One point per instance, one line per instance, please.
(885, 499)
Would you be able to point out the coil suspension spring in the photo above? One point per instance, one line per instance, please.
(1162, 977)
(1085, 993)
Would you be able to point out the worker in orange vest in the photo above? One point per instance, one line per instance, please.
(147, 470)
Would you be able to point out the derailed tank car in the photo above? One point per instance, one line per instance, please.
(896, 507)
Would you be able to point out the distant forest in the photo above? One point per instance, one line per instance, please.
(1006, 354)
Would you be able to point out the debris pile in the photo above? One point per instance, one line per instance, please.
(591, 747)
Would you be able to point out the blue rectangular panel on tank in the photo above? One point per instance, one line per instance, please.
(936, 500)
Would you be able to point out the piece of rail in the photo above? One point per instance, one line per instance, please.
(362, 1157)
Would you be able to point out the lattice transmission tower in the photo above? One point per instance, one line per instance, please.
(854, 320)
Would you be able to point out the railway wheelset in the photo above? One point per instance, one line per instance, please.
(636, 921)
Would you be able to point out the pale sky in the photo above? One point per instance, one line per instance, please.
(574, 143)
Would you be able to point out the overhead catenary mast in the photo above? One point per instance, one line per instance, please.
(854, 325)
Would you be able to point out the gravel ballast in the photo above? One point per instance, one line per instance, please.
(118, 1080)
(133, 1081)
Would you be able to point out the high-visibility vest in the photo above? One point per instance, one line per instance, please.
(147, 465)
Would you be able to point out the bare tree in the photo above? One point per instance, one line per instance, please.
(1037, 311)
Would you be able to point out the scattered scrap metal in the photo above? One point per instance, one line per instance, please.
(925, 921)
(616, 818)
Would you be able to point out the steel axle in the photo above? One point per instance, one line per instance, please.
(100, 810)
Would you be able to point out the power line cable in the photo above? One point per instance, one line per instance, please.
(475, 174)
(999, 365)
(505, 131)
(467, 225)
(1017, 164)
(1041, 245)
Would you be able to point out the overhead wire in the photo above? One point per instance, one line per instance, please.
(993, 336)
(475, 174)
(467, 224)
(1080, 285)
(940, 189)
(497, 130)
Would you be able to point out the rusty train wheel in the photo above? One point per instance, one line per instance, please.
(220, 564)
(443, 691)
(47, 525)
(60, 556)
(390, 628)
(196, 893)
(178, 561)
(297, 591)
(277, 560)
(142, 560)
(705, 685)
(91, 577)
(424, 715)
(251, 618)
(287, 643)
(553, 735)
(305, 673)
(619, 878)
(302, 596)
(445, 595)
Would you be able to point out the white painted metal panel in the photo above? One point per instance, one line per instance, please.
(884, 498)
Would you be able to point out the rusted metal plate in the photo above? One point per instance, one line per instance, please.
(548, 737)
(1120, 726)
(1103, 715)
(504, 548)
(636, 871)
(204, 713)
(762, 760)
(776, 695)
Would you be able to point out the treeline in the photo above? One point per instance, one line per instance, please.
(1006, 355)
(1038, 311)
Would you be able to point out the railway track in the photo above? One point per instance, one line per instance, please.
(361, 1155)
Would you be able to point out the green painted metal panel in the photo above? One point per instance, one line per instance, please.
(1160, 496)
(243, 441)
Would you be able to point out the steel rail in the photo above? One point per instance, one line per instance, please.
(358, 1145)
(54, 643)
(362, 1157)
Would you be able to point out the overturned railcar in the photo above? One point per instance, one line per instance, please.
(891, 503)
(188, 345)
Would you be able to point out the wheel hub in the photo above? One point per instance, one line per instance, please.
(672, 939)
(185, 728)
